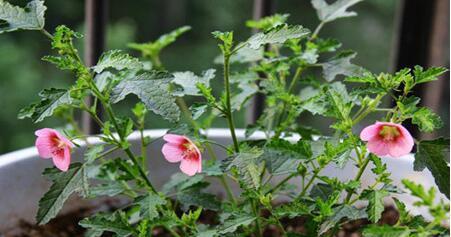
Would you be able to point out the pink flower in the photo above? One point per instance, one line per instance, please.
(51, 144)
(180, 149)
(385, 138)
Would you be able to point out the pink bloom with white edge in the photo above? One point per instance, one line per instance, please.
(51, 144)
(387, 139)
(181, 149)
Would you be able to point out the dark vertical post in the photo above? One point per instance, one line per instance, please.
(95, 23)
(261, 9)
(423, 39)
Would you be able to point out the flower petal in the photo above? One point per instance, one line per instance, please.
(402, 146)
(378, 147)
(45, 132)
(62, 159)
(176, 139)
(190, 166)
(45, 146)
(172, 152)
(369, 132)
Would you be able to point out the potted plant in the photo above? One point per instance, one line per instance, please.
(276, 175)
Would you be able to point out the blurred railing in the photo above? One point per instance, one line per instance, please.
(421, 35)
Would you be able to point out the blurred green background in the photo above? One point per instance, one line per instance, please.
(23, 75)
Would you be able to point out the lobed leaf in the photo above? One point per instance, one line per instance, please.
(338, 9)
(386, 231)
(375, 203)
(64, 184)
(105, 222)
(188, 82)
(277, 35)
(152, 88)
(118, 60)
(14, 18)
(432, 154)
(149, 204)
(341, 65)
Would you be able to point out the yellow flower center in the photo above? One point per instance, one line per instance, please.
(389, 133)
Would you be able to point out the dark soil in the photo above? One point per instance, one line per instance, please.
(66, 225)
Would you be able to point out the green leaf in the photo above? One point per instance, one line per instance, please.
(51, 99)
(64, 184)
(152, 88)
(386, 231)
(338, 9)
(118, 60)
(433, 154)
(267, 22)
(194, 197)
(426, 120)
(197, 110)
(322, 191)
(347, 212)
(149, 205)
(341, 65)
(232, 224)
(152, 49)
(375, 203)
(93, 152)
(247, 166)
(243, 55)
(430, 74)
(188, 81)
(110, 189)
(181, 182)
(107, 222)
(14, 18)
(247, 84)
(293, 209)
(282, 157)
(277, 35)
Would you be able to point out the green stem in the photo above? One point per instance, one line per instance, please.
(357, 178)
(46, 33)
(316, 31)
(371, 107)
(282, 182)
(257, 220)
(127, 150)
(228, 102)
(306, 187)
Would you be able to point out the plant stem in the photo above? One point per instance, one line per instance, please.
(315, 174)
(46, 33)
(257, 220)
(316, 31)
(281, 183)
(357, 178)
(228, 102)
(127, 150)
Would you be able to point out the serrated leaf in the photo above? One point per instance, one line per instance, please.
(322, 191)
(282, 157)
(14, 18)
(342, 212)
(152, 49)
(243, 55)
(433, 154)
(431, 74)
(51, 99)
(293, 209)
(197, 110)
(338, 9)
(118, 60)
(247, 84)
(426, 120)
(247, 165)
(375, 203)
(188, 82)
(386, 231)
(149, 205)
(152, 88)
(64, 184)
(341, 65)
(277, 35)
(180, 182)
(104, 222)
(232, 224)
(194, 197)
(109, 189)
(268, 21)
